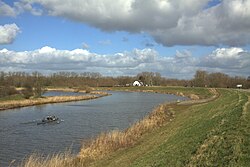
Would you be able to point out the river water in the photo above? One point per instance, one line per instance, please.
(20, 135)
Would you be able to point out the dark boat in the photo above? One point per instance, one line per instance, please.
(49, 119)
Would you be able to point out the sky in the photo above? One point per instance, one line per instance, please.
(125, 37)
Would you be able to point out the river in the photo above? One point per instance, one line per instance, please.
(21, 136)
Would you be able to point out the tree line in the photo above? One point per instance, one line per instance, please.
(219, 80)
(33, 83)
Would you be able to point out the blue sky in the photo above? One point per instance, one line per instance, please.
(174, 38)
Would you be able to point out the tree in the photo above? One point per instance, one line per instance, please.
(150, 78)
(200, 78)
(219, 80)
(157, 79)
(37, 90)
(27, 91)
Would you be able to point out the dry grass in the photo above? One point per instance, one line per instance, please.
(114, 140)
(57, 160)
(10, 104)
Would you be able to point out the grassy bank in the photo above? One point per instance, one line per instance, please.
(10, 104)
(208, 134)
(192, 92)
(214, 132)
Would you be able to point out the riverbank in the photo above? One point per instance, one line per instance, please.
(173, 134)
(213, 133)
(194, 93)
(11, 104)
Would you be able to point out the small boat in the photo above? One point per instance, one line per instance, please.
(49, 119)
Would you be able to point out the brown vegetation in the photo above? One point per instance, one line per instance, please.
(10, 104)
(111, 141)
(218, 80)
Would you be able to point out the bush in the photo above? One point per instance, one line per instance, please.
(7, 91)
(27, 92)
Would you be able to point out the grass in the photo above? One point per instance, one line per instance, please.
(211, 133)
(202, 93)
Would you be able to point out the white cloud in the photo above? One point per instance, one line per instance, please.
(230, 58)
(18, 8)
(235, 61)
(23, 6)
(46, 50)
(8, 33)
(232, 61)
(227, 23)
(183, 54)
(49, 59)
(175, 22)
(6, 10)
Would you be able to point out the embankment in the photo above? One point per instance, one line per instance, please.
(97, 151)
(212, 133)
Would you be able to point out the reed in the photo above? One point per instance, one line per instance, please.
(56, 160)
(109, 142)
(10, 104)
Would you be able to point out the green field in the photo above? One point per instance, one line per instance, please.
(216, 133)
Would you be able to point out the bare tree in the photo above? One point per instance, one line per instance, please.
(200, 78)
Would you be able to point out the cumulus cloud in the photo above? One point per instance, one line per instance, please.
(181, 65)
(49, 59)
(226, 23)
(228, 60)
(8, 33)
(169, 22)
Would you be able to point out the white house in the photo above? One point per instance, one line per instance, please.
(239, 86)
(137, 83)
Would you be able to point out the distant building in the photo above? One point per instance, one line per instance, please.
(137, 83)
(239, 86)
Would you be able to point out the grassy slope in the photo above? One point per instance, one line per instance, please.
(201, 92)
(210, 134)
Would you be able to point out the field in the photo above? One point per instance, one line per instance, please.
(215, 132)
